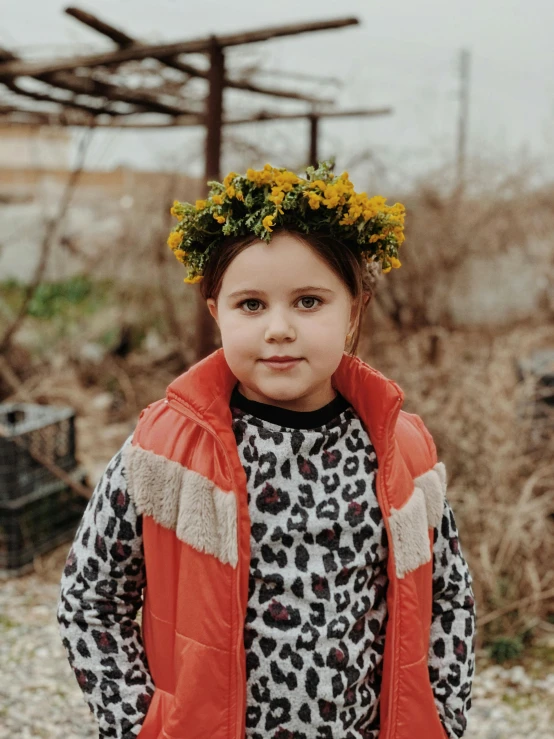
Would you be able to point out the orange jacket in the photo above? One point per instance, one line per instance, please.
(187, 481)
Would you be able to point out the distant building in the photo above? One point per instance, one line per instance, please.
(29, 147)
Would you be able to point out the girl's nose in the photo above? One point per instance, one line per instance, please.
(279, 327)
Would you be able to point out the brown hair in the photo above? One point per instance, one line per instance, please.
(358, 276)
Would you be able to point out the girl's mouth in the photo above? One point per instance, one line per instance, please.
(280, 364)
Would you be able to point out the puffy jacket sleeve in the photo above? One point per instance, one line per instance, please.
(100, 596)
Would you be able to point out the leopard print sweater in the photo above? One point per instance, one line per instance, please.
(316, 618)
(316, 615)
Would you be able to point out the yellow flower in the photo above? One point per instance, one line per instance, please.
(180, 254)
(334, 195)
(229, 179)
(174, 239)
(277, 196)
(218, 200)
(318, 183)
(263, 177)
(385, 270)
(373, 206)
(398, 210)
(267, 222)
(314, 200)
(200, 204)
(219, 219)
(240, 196)
(176, 210)
(192, 280)
(231, 192)
(331, 202)
(285, 180)
(396, 263)
(398, 234)
(354, 212)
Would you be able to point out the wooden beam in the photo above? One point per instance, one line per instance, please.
(87, 86)
(269, 116)
(7, 56)
(250, 87)
(119, 37)
(70, 117)
(35, 120)
(92, 21)
(125, 41)
(119, 120)
(293, 29)
(143, 100)
(245, 72)
(96, 88)
(17, 68)
(45, 97)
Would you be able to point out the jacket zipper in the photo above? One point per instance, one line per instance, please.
(387, 526)
(184, 411)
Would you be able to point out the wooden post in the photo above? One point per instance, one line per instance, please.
(314, 131)
(205, 326)
(214, 112)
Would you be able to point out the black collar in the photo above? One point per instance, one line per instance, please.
(285, 416)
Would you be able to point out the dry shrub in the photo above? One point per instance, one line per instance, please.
(465, 385)
(447, 233)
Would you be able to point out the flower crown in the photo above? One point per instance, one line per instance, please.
(262, 200)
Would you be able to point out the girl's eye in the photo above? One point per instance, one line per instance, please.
(257, 302)
(247, 302)
(310, 297)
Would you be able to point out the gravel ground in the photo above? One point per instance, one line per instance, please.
(39, 696)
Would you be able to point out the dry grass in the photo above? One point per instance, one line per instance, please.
(500, 465)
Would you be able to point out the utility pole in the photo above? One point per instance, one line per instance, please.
(463, 118)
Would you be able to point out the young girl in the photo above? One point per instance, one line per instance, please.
(280, 520)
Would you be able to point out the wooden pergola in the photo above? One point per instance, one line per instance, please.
(101, 91)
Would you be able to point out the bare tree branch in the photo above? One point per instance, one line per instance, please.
(48, 238)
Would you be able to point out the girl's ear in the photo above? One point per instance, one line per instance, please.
(212, 307)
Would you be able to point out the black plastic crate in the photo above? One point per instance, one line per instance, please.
(44, 429)
(38, 522)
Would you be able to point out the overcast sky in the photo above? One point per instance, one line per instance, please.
(404, 54)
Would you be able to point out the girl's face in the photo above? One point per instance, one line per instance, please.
(282, 299)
